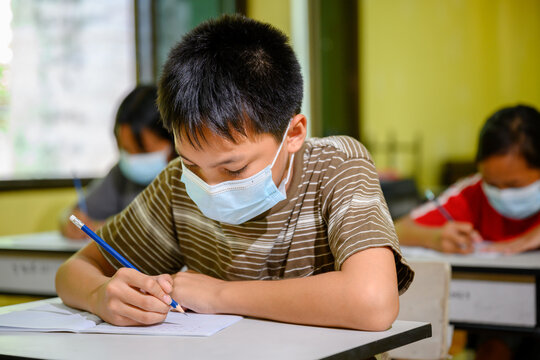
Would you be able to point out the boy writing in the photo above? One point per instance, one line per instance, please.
(270, 224)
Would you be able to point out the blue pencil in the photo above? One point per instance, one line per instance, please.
(431, 197)
(111, 251)
(80, 195)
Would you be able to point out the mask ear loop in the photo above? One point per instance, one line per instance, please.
(282, 185)
(284, 182)
(281, 145)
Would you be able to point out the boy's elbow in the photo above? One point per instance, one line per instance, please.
(59, 279)
(384, 316)
(376, 309)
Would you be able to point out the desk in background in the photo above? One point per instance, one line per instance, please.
(247, 339)
(28, 262)
(491, 292)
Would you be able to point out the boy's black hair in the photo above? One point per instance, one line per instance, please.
(139, 110)
(228, 75)
(511, 129)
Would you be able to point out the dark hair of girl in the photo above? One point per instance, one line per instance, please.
(510, 129)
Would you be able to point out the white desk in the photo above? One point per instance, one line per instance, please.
(491, 292)
(28, 262)
(247, 339)
(528, 262)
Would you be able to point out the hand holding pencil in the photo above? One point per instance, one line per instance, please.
(455, 236)
(130, 297)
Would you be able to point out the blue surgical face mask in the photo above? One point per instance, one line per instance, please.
(237, 201)
(514, 203)
(143, 168)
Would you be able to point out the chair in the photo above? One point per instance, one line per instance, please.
(427, 300)
(401, 196)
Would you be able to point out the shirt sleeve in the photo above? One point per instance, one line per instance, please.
(144, 233)
(357, 214)
(458, 201)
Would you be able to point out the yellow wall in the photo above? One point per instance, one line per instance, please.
(438, 68)
(26, 211)
(433, 67)
(275, 12)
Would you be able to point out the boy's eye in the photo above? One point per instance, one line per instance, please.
(236, 172)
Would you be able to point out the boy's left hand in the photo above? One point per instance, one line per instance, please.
(197, 292)
(525, 242)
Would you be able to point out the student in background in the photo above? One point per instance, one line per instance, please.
(500, 204)
(145, 149)
(269, 224)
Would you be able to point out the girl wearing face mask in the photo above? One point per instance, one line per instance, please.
(500, 204)
(145, 148)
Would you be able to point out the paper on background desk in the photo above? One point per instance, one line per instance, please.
(59, 317)
(425, 252)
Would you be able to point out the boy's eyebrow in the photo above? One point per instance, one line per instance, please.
(183, 157)
(223, 162)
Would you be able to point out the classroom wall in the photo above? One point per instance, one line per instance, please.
(275, 12)
(438, 68)
(26, 211)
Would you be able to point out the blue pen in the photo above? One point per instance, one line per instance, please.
(80, 195)
(431, 197)
(111, 251)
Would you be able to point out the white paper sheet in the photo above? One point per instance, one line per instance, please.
(43, 321)
(59, 317)
(425, 252)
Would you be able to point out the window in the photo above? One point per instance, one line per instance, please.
(65, 65)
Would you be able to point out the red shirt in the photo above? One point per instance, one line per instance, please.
(466, 201)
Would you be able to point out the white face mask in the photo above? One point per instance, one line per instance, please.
(237, 201)
(514, 203)
(143, 168)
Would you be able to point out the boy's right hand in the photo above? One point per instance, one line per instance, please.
(457, 237)
(132, 298)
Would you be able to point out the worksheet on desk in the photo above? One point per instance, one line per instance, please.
(176, 323)
(59, 317)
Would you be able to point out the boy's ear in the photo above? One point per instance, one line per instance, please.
(297, 133)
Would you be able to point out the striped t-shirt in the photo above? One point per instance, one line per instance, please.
(334, 208)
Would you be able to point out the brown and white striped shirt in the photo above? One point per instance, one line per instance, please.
(334, 208)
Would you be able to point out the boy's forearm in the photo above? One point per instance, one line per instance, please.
(76, 282)
(283, 300)
(325, 300)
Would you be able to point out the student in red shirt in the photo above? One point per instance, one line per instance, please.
(501, 203)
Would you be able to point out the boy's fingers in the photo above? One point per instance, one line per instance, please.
(165, 281)
(151, 303)
(149, 285)
(143, 316)
(143, 300)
